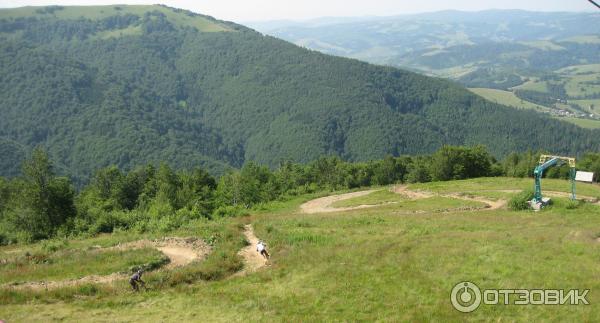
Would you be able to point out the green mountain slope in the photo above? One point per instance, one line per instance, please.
(101, 85)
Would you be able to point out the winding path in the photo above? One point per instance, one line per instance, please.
(180, 251)
(253, 260)
(585, 198)
(324, 204)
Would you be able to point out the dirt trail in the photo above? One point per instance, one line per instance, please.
(588, 199)
(415, 195)
(490, 205)
(180, 251)
(178, 256)
(98, 279)
(252, 259)
(323, 204)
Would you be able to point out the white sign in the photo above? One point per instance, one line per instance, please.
(584, 176)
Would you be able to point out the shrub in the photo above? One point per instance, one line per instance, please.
(573, 204)
(87, 290)
(105, 222)
(152, 265)
(521, 201)
(54, 245)
(230, 211)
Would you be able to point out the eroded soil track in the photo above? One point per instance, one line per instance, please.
(253, 260)
(323, 204)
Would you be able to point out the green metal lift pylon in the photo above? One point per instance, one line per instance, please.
(547, 161)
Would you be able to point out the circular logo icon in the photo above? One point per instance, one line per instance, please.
(465, 297)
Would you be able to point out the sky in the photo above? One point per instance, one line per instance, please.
(260, 10)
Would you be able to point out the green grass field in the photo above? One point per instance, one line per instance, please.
(366, 265)
(499, 184)
(583, 123)
(591, 105)
(579, 80)
(378, 197)
(507, 98)
(533, 85)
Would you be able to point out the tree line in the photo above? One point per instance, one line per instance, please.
(41, 205)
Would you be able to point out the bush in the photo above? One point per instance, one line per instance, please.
(87, 290)
(168, 223)
(54, 245)
(152, 265)
(104, 222)
(521, 201)
(7, 236)
(573, 204)
(230, 211)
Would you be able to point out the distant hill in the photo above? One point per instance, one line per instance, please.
(494, 48)
(127, 85)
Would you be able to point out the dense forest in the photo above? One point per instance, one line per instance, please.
(132, 85)
(40, 205)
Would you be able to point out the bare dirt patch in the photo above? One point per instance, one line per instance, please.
(490, 204)
(413, 195)
(323, 204)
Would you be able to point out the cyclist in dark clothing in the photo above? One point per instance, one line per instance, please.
(137, 279)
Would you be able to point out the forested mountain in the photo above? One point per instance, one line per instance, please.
(493, 48)
(128, 85)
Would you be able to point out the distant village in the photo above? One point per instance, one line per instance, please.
(570, 114)
(559, 112)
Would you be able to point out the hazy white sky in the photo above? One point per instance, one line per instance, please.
(253, 10)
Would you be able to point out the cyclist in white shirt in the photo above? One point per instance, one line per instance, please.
(261, 247)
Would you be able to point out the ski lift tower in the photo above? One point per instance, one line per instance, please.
(547, 161)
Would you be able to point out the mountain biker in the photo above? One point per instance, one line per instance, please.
(137, 279)
(261, 247)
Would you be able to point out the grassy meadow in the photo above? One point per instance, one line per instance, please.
(583, 123)
(378, 263)
(507, 98)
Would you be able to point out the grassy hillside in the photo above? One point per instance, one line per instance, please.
(507, 98)
(510, 99)
(578, 81)
(584, 123)
(99, 86)
(381, 263)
